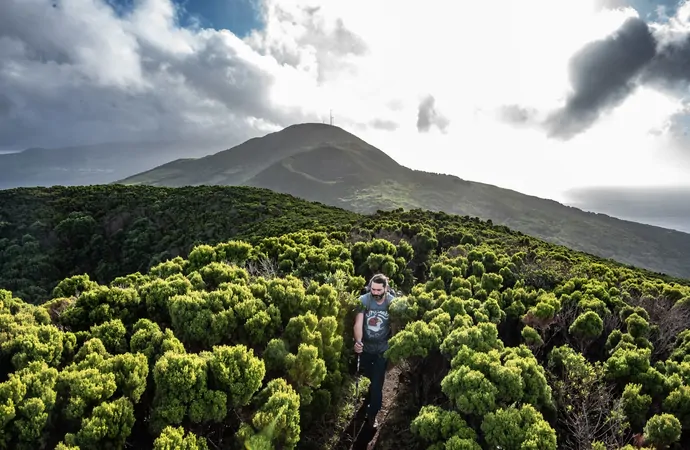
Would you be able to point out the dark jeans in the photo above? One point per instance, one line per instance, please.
(373, 366)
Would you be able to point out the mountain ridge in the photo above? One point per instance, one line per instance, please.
(325, 163)
(262, 151)
(89, 164)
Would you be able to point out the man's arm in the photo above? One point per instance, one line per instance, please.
(359, 320)
(359, 325)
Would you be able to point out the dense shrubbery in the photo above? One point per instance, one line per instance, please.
(506, 341)
(48, 234)
(193, 344)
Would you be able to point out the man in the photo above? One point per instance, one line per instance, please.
(372, 331)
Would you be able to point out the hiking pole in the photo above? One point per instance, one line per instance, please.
(354, 419)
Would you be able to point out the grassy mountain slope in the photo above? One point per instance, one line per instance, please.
(504, 340)
(245, 161)
(327, 164)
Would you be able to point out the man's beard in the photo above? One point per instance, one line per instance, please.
(377, 296)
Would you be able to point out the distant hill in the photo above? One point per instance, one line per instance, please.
(325, 163)
(88, 164)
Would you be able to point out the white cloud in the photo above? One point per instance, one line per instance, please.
(79, 72)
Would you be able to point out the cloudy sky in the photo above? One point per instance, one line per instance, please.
(565, 99)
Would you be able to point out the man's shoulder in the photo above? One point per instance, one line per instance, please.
(363, 302)
(366, 301)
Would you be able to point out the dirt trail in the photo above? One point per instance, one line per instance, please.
(391, 388)
(366, 437)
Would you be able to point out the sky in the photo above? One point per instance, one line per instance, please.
(238, 16)
(563, 99)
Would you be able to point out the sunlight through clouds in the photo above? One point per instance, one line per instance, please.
(495, 84)
(474, 61)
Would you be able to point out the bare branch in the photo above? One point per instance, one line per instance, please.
(391, 236)
(611, 322)
(668, 317)
(589, 411)
(566, 316)
(267, 268)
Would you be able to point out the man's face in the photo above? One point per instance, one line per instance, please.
(377, 290)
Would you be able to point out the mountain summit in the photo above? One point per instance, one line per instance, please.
(325, 163)
(303, 156)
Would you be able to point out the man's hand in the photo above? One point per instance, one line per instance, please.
(358, 347)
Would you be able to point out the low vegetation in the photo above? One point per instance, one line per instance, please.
(241, 337)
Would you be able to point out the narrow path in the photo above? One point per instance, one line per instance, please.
(357, 428)
(391, 387)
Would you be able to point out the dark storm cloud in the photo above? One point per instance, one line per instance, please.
(428, 116)
(670, 68)
(5, 105)
(602, 75)
(216, 71)
(605, 72)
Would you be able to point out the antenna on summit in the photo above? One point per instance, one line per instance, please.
(331, 117)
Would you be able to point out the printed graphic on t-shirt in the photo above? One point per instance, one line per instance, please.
(376, 324)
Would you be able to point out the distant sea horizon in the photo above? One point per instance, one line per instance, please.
(5, 152)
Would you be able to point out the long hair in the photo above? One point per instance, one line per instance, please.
(378, 278)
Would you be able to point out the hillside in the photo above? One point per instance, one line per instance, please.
(327, 164)
(504, 341)
(277, 154)
(89, 164)
(47, 234)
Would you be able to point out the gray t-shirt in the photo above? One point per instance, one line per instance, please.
(377, 324)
